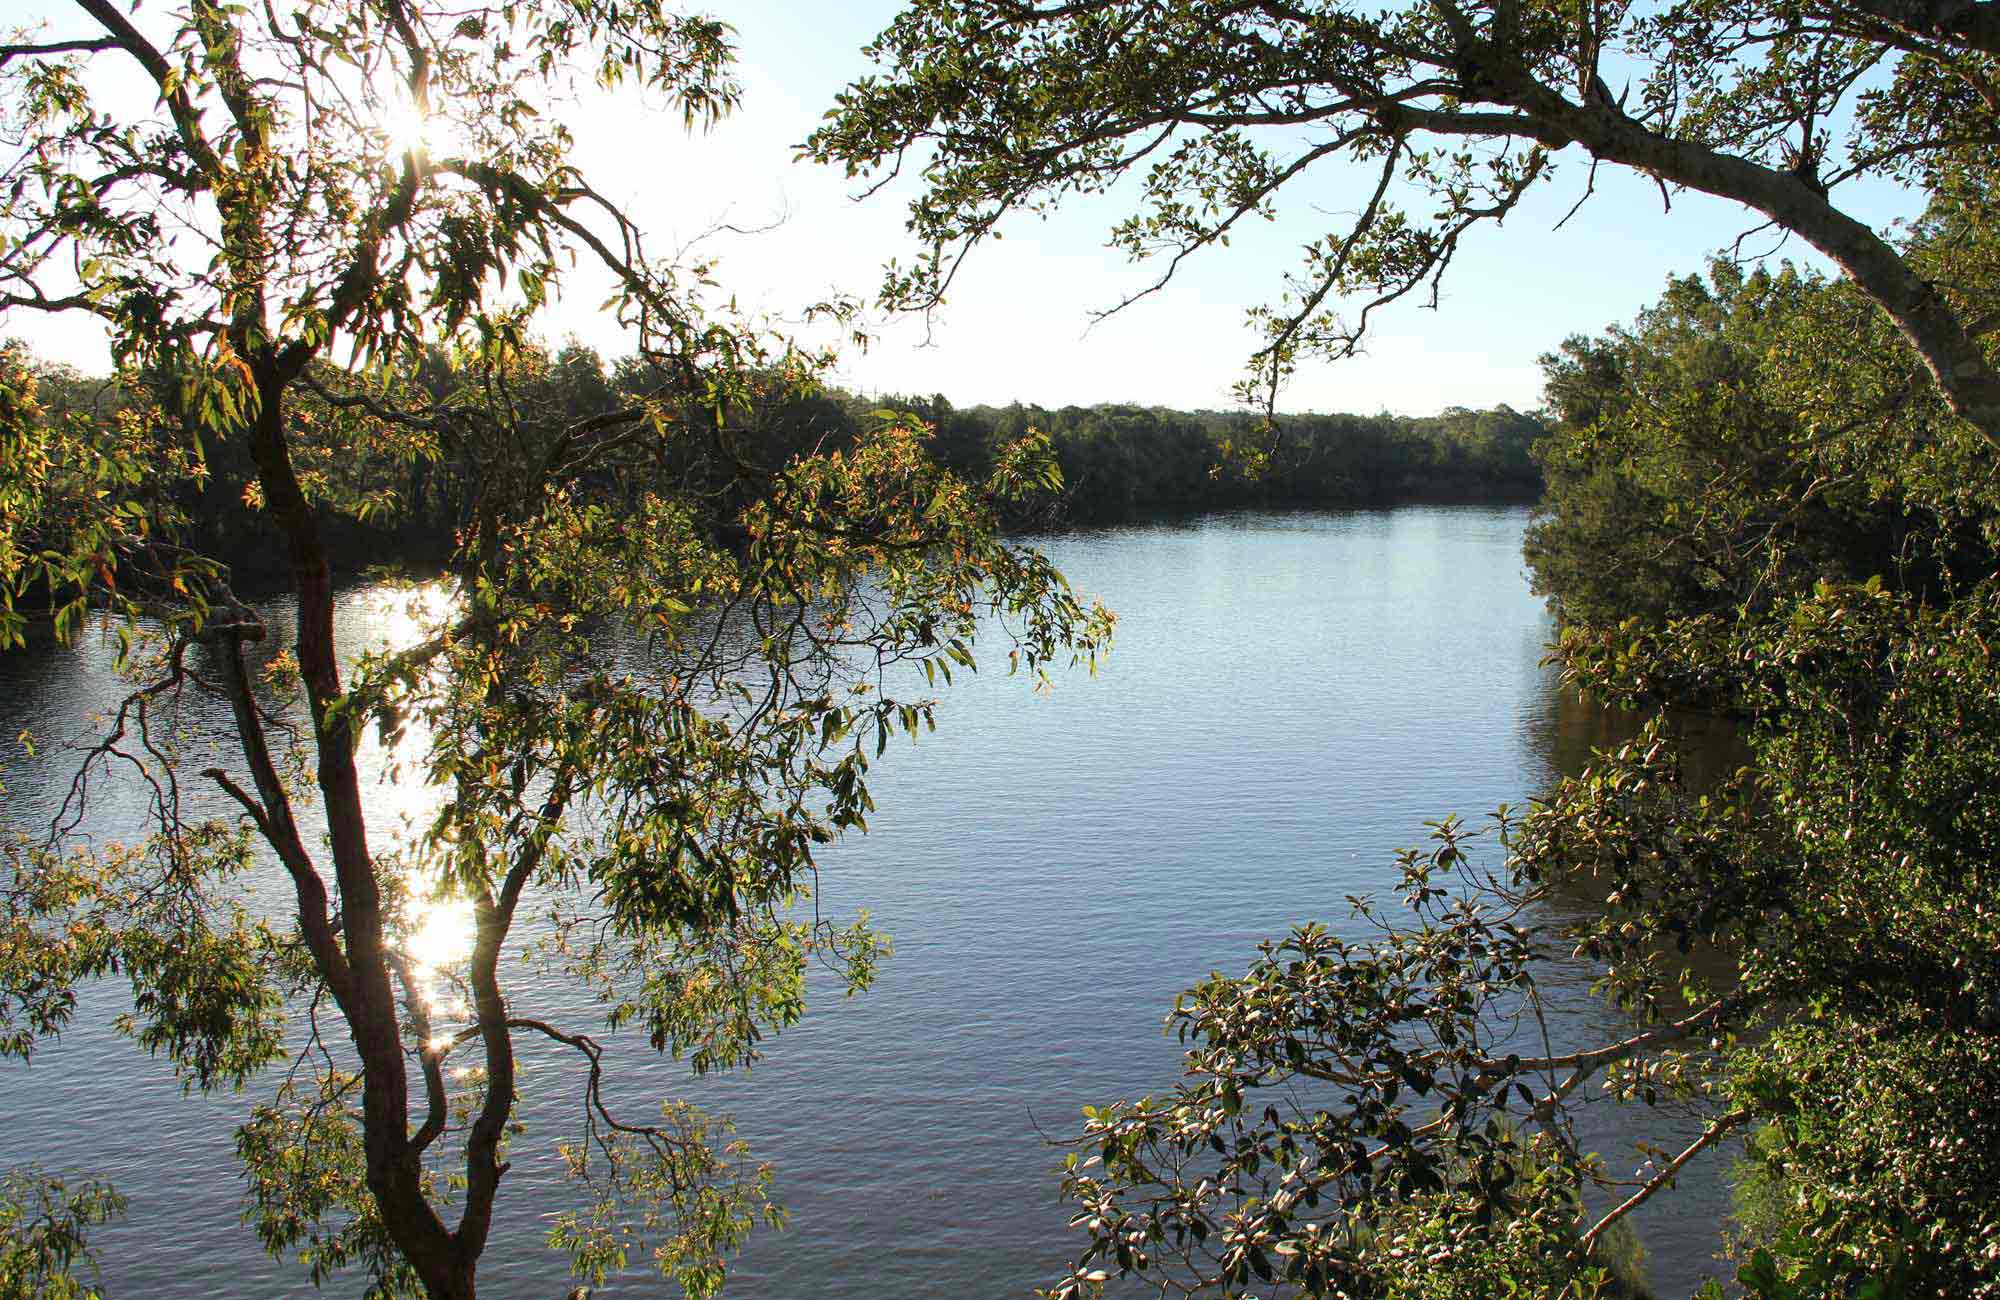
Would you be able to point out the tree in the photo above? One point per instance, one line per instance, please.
(1682, 479)
(1754, 433)
(1453, 110)
(647, 692)
(1386, 1116)
(42, 1226)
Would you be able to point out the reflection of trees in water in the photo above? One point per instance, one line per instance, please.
(1563, 728)
(1681, 1230)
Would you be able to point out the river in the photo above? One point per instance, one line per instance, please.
(1290, 698)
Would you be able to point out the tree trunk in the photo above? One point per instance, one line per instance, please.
(395, 1171)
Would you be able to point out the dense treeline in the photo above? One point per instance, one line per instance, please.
(1755, 434)
(1756, 503)
(1130, 462)
(1773, 494)
(406, 493)
(1693, 470)
(350, 366)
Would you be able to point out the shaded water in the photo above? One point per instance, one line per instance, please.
(1291, 697)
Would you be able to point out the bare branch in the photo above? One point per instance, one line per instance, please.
(1666, 1176)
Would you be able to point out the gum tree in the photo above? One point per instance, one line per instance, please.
(646, 694)
(1383, 1110)
(1438, 117)
(43, 1223)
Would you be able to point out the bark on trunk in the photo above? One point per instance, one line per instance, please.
(394, 1165)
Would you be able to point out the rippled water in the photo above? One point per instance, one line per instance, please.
(1291, 697)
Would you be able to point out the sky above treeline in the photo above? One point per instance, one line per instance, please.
(1019, 323)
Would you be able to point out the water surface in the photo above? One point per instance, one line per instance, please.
(1290, 698)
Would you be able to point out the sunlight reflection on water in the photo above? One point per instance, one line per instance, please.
(443, 937)
(439, 924)
(1291, 697)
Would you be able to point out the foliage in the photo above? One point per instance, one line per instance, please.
(1751, 435)
(1678, 479)
(305, 1166)
(1451, 1247)
(1878, 725)
(43, 1222)
(1885, 1172)
(1439, 117)
(1348, 1105)
(666, 648)
(44, 959)
(1774, 493)
(80, 490)
(1126, 462)
(1880, 1177)
(403, 491)
(1747, 440)
(1876, 719)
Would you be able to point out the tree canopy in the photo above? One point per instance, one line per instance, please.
(1130, 462)
(1217, 110)
(646, 691)
(674, 632)
(1757, 504)
(1686, 477)
(1754, 433)
(1772, 495)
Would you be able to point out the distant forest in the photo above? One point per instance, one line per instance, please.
(1134, 462)
(406, 500)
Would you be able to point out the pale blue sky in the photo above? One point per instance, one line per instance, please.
(1018, 325)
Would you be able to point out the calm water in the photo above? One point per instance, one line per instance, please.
(1290, 698)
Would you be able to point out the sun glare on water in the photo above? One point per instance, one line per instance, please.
(403, 616)
(441, 929)
(443, 937)
(444, 932)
